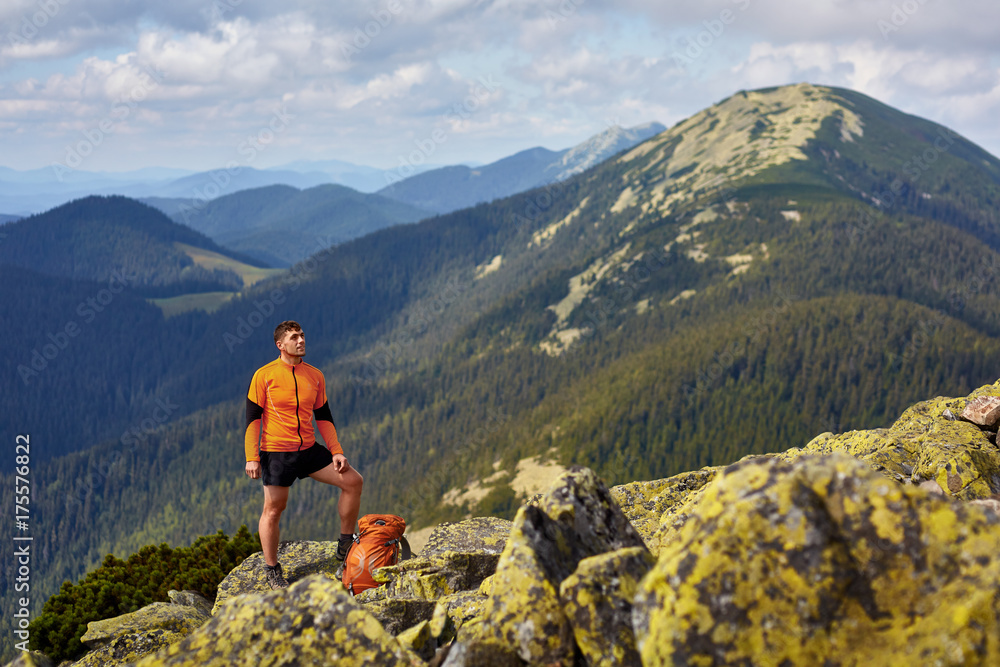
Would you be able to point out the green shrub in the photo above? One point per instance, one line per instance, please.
(122, 586)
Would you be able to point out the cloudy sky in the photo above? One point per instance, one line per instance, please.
(124, 84)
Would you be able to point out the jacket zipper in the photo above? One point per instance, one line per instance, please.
(298, 419)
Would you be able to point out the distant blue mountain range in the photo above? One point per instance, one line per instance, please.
(24, 193)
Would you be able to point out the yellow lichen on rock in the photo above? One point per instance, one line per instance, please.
(809, 555)
(431, 577)
(597, 600)
(396, 614)
(927, 442)
(486, 587)
(440, 623)
(299, 559)
(462, 608)
(675, 516)
(445, 582)
(129, 637)
(645, 503)
(575, 519)
(528, 613)
(314, 621)
(419, 640)
(483, 534)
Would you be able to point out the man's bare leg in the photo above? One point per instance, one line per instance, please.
(275, 498)
(350, 484)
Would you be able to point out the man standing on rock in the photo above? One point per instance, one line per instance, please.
(283, 397)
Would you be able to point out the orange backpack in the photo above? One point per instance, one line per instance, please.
(380, 543)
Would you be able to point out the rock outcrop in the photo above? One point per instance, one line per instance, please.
(125, 639)
(31, 659)
(484, 534)
(598, 602)
(191, 599)
(414, 588)
(646, 503)
(426, 600)
(312, 622)
(298, 559)
(821, 560)
(926, 443)
(575, 520)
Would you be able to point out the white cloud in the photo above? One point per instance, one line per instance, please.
(368, 78)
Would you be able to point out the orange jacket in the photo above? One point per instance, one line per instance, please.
(281, 403)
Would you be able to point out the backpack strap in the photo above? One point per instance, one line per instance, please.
(407, 554)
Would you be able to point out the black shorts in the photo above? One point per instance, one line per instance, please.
(282, 468)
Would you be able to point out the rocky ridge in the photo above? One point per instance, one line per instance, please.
(868, 547)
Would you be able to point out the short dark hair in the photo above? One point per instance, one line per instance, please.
(287, 325)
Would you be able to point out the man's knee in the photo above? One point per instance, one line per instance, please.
(354, 482)
(274, 508)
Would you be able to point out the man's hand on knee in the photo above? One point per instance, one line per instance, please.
(340, 463)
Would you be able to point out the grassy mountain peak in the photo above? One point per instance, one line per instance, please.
(731, 141)
(820, 136)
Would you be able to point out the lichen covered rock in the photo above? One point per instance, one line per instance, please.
(419, 640)
(484, 534)
(441, 624)
(821, 560)
(463, 607)
(412, 589)
(575, 519)
(398, 614)
(645, 503)
(313, 622)
(191, 599)
(597, 600)
(31, 659)
(486, 588)
(127, 638)
(482, 652)
(925, 443)
(882, 449)
(430, 577)
(676, 515)
(298, 559)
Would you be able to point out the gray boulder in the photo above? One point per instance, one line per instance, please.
(298, 559)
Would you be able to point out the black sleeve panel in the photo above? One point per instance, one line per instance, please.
(323, 413)
(254, 412)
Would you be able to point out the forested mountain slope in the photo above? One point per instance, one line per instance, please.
(281, 225)
(103, 239)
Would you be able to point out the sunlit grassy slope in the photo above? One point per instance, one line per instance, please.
(210, 301)
(213, 260)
